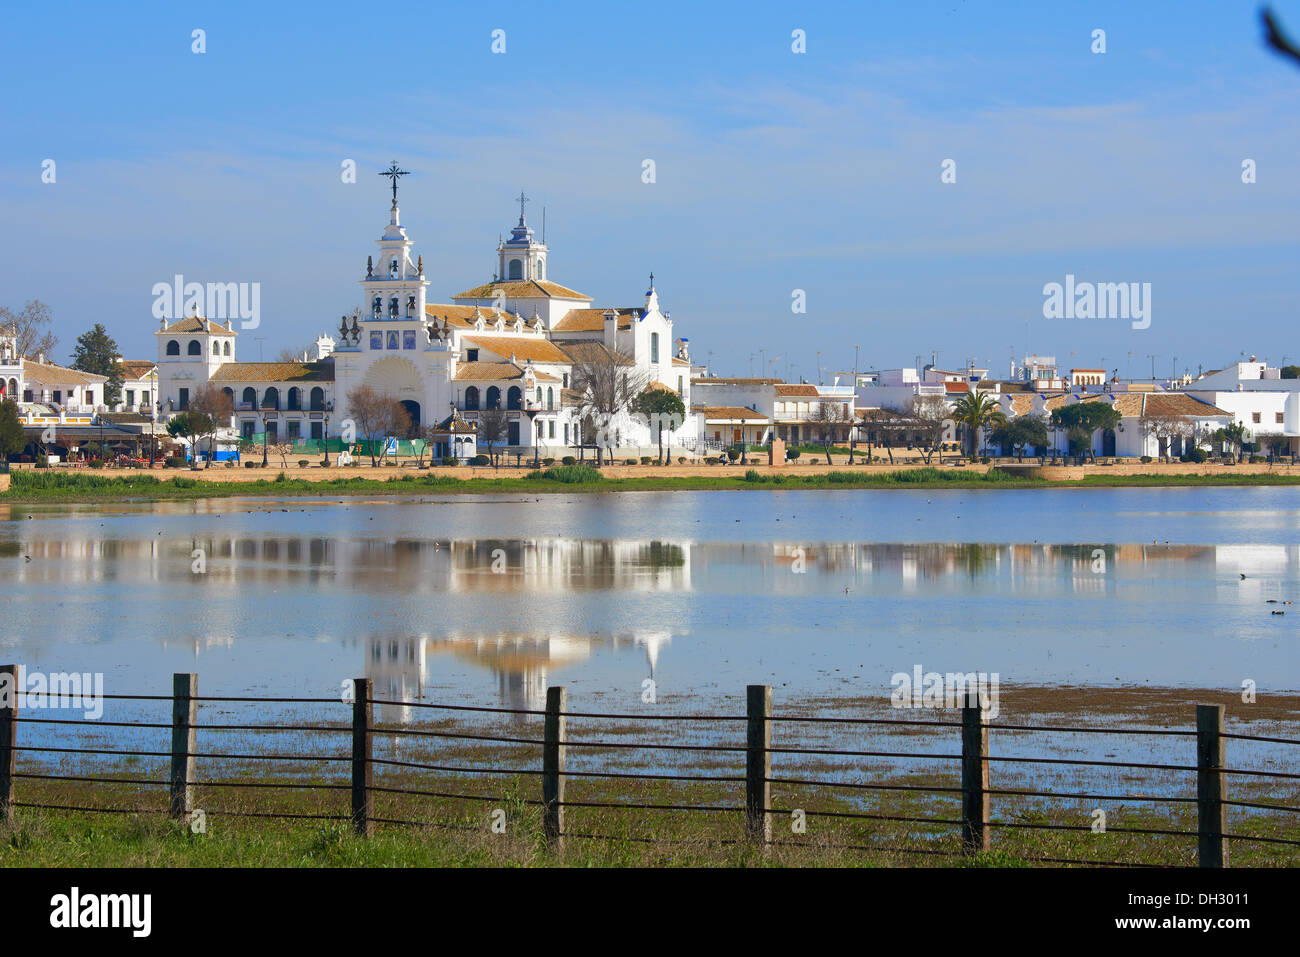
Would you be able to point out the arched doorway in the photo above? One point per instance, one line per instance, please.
(1108, 443)
(413, 412)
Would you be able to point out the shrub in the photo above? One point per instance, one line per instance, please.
(645, 460)
(182, 482)
(1195, 455)
(175, 462)
(568, 460)
(629, 461)
(681, 460)
(791, 454)
(281, 477)
(480, 460)
(569, 474)
(733, 454)
(751, 475)
(303, 463)
(1145, 460)
(548, 462)
(711, 460)
(42, 461)
(252, 465)
(1257, 459)
(96, 463)
(986, 460)
(449, 460)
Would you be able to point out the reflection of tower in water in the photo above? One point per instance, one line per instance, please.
(397, 671)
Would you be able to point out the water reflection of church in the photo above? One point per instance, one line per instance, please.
(521, 664)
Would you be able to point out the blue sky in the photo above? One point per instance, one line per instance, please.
(775, 171)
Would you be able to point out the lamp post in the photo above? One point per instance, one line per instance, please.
(264, 437)
(326, 463)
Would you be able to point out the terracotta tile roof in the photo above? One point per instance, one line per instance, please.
(49, 372)
(680, 362)
(730, 412)
(136, 368)
(458, 317)
(587, 351)
(593, 320)
(956, 387)
(805, 391)
(521, 347)
(1129, 405)
(196, 324)
(1022, 404)
(1179, 403)
(528, 289)
(496, 371)
(275, 372)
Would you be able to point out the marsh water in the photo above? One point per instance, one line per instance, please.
(820, 593)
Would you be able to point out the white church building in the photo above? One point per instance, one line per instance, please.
(510, 344)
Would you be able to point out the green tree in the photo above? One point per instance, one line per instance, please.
(1018, 433)
(1233, 436)
(1291, 372)
(1081, 421)
(977, 411)
(97, 353)
(664, 409)
(189, 426)
(12, 437)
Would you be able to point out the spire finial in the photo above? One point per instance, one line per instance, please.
(393, 172)
(522, 200)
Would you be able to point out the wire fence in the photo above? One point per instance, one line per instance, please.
(745, 747)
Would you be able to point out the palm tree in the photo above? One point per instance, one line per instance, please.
(977, 410)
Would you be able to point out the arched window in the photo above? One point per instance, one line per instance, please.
(516, 269)
(392, 338)
(249, 397)
(216, 348)
(194, 348)
(541, 269)
(229, 393)
(514, 398)
(539, 395)
(654, 347)
(295, 399)
(550, 398)
(271, 398)
(173, 347)
(493, 397)
(318, 399)
(471, 398)
(226, 347)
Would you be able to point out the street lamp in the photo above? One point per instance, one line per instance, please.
(326, 463)
(264, 437)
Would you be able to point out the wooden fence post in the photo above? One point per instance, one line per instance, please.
(8, 739)
(975, 832)
(758, 763)
(553, 755)
(1211, 787)
(363, 769)
(185, 713)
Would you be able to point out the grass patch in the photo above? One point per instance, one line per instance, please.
(568, 474)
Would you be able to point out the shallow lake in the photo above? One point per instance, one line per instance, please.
(488, 599)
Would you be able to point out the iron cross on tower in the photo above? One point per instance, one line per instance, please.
(392, 173)
(522, 199)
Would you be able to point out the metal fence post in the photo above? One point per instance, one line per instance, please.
(758, 763)
(363, 769)
(553, 755)
(975, 831)
(1211, 787)
(8, 739)
(185, 688)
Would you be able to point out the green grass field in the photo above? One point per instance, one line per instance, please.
(56, 486)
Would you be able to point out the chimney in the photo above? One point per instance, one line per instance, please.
(611, 329)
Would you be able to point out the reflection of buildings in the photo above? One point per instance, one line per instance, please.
(522, 664)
